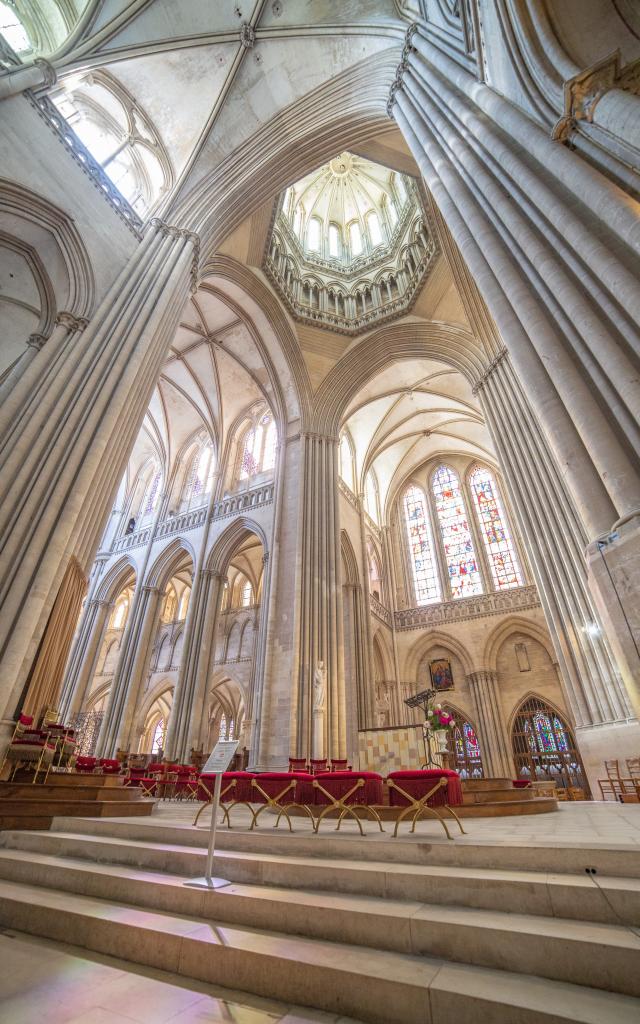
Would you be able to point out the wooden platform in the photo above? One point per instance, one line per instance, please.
(25, 805)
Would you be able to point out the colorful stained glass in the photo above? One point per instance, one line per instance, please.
(544, 732)
(425, 577)
(462, 567)
(152, 495)
(259, 451)
(560, 734)
(471, 740)
(493, 525)
(459, 744)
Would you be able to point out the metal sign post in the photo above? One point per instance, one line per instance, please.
(219, 760)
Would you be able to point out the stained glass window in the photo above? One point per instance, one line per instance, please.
(425, 577)
(466, 747)
(544, 745)
(544, 732)
(270, 441)
(561, 736)
(371, 499)
(259, 451)
(222, 735)
(493, 525)
(346, 462)
(158, 737)
(246, 594)
(201, 477)
(462, 567)
(152, 495)
(471, 740)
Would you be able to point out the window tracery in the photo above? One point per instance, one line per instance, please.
(258, 448)
(464, 576)
(499, 545)
(119, 135)
(200, 477)
(425, 576)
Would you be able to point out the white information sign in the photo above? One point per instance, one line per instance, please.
(217, 763)
(220, 757)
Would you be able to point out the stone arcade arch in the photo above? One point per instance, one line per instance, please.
(189, 721)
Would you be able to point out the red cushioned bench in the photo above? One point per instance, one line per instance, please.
(422, 792)
(349, 793)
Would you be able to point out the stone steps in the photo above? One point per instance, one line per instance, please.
(611, 900)
(596, 954)
(373, 985)
(616, 860)
(383, 930)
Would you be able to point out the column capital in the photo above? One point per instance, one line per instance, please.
(71, 322)
(49, 73)
(36, 341)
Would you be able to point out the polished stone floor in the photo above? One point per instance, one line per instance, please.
(57, 984)
(584, 824)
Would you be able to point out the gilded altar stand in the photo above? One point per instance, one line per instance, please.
(27, 806)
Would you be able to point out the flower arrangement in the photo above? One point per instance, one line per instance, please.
(436, 719)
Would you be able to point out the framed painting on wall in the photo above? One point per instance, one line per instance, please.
(441, 675)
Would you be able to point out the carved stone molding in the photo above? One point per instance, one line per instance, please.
(407, 49)
(517, 600)
(36, 341)
(247, 35)
(49, 73)
(66, 135)
(583, 92)
(71, 322)
(495, 362)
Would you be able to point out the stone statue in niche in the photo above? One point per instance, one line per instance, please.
(319, 686)
(383, 707)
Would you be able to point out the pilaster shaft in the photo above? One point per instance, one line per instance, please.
(496, 752)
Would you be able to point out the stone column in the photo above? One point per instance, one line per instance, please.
(65, 326)
(321, 623)
(190, 697)
(39, 75)
(83, 660)
(551, 244)
(66, 431)
(495, 199)
(130, 670)
(258, 667)
(494, 741)
(356, 686)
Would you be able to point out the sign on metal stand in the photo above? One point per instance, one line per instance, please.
(218, 762)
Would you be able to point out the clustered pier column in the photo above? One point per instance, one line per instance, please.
(83, 399)
(551, 245)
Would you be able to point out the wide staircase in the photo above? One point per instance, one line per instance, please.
(387, 931)
(24, 804)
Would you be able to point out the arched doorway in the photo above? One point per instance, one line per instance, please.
(544, 747)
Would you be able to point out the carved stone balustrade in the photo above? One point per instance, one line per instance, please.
(518, 599)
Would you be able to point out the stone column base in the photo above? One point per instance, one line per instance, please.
(614, 580)
(598, 743)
